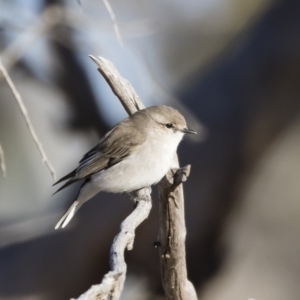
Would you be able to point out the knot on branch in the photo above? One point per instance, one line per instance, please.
(130, 237)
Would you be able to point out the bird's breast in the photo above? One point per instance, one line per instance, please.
(144, 167)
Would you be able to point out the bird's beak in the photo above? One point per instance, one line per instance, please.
(190, 131)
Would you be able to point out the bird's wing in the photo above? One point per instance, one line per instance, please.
(117, 144)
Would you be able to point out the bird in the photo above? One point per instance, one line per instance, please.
(136, 153)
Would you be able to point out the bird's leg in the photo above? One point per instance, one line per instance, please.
(141, 194)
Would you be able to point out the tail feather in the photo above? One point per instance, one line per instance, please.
(68, 176)
(70, 181)
(65, 185)
(68, 215)
(86, 192)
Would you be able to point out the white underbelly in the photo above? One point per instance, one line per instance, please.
(144, 168)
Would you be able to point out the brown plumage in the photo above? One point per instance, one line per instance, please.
(106, 154)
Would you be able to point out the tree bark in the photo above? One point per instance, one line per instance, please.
(172, 233)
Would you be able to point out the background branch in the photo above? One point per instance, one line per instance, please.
(2, 162)
(27, 119)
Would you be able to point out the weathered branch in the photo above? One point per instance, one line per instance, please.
(172, 233)
(113, 282)
(24, 112)
(119, 85)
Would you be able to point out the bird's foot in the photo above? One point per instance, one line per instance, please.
(141, 194)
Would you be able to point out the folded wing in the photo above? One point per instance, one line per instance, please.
(117, 144)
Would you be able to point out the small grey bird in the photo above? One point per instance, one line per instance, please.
(134, 154)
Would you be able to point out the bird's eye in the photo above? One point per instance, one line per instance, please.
(169, 125)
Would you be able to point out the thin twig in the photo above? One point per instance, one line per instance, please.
(113, 282)
(27, 119)
(2, 162)
(115, 22)
(119, 85)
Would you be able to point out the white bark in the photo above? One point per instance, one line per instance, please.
(113, 282)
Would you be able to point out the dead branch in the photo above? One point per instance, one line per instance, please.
(172, 233)
(120, 86)
(24, 112)
(112, 284)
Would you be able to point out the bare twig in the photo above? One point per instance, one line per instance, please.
(126, 238)
(2, 162)
(27, 119)
(172, 233)
(115, 22)
(112, 284)
(119, 85)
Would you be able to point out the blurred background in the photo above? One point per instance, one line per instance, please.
(231, 65)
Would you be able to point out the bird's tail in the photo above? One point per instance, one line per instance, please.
(68, 215)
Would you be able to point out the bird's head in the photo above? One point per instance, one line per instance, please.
(169, 120)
